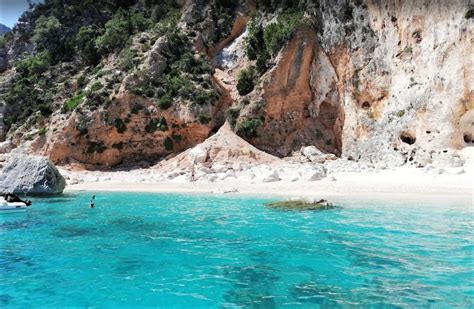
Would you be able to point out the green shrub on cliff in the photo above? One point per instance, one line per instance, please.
(246, 79)
(32, 91)
(231, 116)
(204, 118)
(276, 34)
(255, 45)
(156, 124)
(168, 144)
(42, 131)
(96, 99)
(264, 42)
(248, 128)
(162, 124)
(120, 125)
(6, 38)
(96, 86)
(222, 13)
(116, 33)
(144, 89)
(85, 41)
(254, 42)
(165, 102)
(119, 28)
(72, 103)
(34, 65)
(127, 61)
(96, 147)
(49, 34)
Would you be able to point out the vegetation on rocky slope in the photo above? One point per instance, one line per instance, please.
(73, 42)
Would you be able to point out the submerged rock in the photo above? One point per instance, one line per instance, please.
(31, 174)
(302, 205)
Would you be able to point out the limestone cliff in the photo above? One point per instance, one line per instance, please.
(373, 81)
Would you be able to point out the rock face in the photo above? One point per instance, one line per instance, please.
(32, 175)
(296, 112)
(404, 76)
(372, 81)
(131, 129)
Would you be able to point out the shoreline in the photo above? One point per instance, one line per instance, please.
(406, 184)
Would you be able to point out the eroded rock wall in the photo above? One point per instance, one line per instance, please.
(148, 133)
(373, 81)
(405, 76)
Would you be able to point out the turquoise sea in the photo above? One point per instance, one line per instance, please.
(196, 251)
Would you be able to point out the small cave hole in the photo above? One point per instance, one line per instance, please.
(467, 138)
(408, 138)
(416, 36)
(366, 105)
(428, 132)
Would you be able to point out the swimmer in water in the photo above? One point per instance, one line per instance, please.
(91, 205)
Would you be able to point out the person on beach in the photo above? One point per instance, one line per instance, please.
(91, 204)
(193, 172)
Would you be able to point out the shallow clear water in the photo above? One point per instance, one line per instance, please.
(203, 251)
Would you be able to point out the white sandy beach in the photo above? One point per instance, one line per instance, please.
(406, 182)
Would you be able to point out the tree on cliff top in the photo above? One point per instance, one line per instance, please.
(49, 35)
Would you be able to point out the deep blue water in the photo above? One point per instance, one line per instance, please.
(136, 250)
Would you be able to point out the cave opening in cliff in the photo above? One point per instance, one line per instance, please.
(467, 138)
(366, 105)
(407, 138)
(329, 133)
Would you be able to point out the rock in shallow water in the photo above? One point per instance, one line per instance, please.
(32, 175)
(302, 205)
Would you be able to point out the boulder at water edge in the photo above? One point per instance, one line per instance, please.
(32, 175)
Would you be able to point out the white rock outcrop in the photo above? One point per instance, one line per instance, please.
(32, 175)
(313, 154)
(198, 154)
